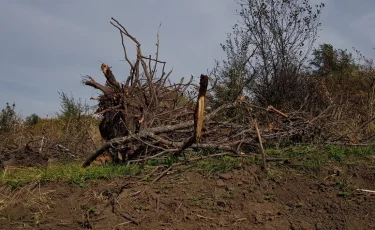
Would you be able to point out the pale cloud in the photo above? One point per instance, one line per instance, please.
(47, 45)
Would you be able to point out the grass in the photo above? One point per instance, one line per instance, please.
(343, 194)
(222, 164)
(269, 197)
(166, 161)
(312, 158)
(306, 158)
(72, 173)
(340, 153)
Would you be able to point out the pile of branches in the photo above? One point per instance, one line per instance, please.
(147, 115)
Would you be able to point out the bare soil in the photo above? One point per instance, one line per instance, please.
(246, 198)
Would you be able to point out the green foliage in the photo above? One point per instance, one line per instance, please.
(32, 120)
(72, 108)
(338, 67)
(165, 161)
(75, 117)
(220, 164)
(269, 197)
(343, 194)
(311, 158)
(339, 153)
(8, 118)
(328, 60)
(346, 80)
(234, 75)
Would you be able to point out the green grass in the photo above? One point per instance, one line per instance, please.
(340, 153)
(165, 161)
(222, 164)
(306, 158)
(295, 152)
(73, 173)
(312, 158)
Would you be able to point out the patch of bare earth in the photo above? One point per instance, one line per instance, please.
(241, 199)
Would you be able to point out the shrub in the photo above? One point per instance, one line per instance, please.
(8, 117)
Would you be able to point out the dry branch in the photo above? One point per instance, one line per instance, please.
(111, 80)
(150, 116)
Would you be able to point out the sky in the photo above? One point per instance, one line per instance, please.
(47, 46)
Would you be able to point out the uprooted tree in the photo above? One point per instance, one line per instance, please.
(148, 116)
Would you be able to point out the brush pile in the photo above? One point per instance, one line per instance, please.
(147, 116)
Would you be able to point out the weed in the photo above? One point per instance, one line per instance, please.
(315, 162)
(299, 204)
(338, 153)
(165, 161)
(340, 185)
(343, 194)
(91, 210)
(140, 208)
(229, 193)
(221, 164)
(163, 187)
(269, 197)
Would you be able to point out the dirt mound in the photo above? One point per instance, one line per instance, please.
(22, 157)
(242, 199)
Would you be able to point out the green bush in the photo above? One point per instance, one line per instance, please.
(8, 117)
(72, 108)
(32, 120)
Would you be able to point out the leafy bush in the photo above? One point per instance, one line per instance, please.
(72, 108)
(32, 120)
(8, 117)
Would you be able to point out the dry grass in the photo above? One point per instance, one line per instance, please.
(79, 136)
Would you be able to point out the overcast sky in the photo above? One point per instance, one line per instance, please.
(46, 46)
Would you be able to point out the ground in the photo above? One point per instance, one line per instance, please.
(226, 193)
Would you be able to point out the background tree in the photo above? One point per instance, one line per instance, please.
(268, 48)
(32, 119)
(72, 108)
(8, 117)
(348, 81)
(233, 75)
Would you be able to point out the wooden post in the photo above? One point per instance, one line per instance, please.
(198, 116)
(260, 144)
(199, 111)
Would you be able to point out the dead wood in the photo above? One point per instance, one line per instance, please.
(264, 163)
(111, 80)
(198, 116)
(147, 115)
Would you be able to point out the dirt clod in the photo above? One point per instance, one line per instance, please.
(220, 183)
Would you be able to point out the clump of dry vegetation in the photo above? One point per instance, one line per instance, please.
(38, 142)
